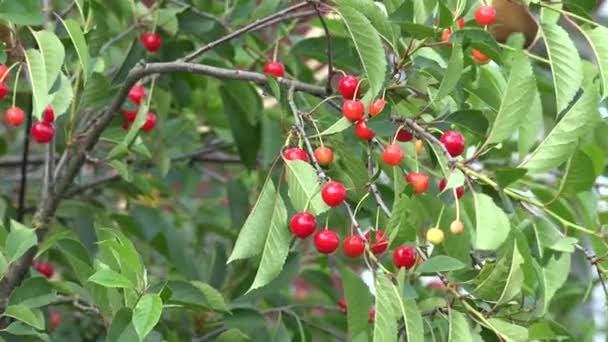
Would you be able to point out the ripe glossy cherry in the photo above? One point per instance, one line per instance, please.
(371, 316)
(404, 135)
(445, 37)
(459, 190)
(404, 256)
(353, 246)
(326, 241)
(45, 268)
(3, 90)
(419, 180)
(363, 132)
(333, 193)
(49, 114)
(55, 320)
(461, 23)
(342, 305)
(4, 74)
(453, 142)
(376, 107)
(380, 243)
(295, 153)
(14, 116)
(348, 85)
(151, 41)
(303, 224)
(479, 57)
(150, 122)
(353, 110)
(324, 155)
(392, 155)
(137, 93)
(129, 115)
(485, 15)
(43, 132)
(276, 69)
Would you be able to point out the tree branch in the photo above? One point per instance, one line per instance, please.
(330, 71)
(26, 151)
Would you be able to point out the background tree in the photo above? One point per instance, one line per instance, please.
(312, 171)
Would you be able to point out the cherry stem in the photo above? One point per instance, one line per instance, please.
(357, 88)
(9, 70)
(440, 216)
(314, 192)
(16, 83)
(456, 203)
(360, 203)
(275, 52)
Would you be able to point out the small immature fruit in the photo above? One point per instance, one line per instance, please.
(342, 305)
(353, 110)
(151, 41)
(14, 116)
(392, 155)
(4, 74)
(303, 224)
(376, 107)
(485, 15)
(326, 241)
(419, 147)
(371, 316)
(435, 236)
(460, 23)
(353, 246)
(459, 190)
(55, 320)
(380, 243)
(456, 227)
(363, 132)
(445, 37)
(419, 180)
(3, 90)
(333, 193)
(295, 153)
(404, 136)
(453, 142)
(347, 87)
(150, 122)
(404, 256)
(479, 57)
(43, 132)
(49, 114)
(137, 93)
(324, 155)
(45, 268)
(276, 69)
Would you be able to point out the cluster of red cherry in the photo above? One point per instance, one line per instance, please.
(485, 16)
(137, 94)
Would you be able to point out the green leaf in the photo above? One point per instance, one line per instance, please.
(167, 19)
(531, 127)
(122, 328)
(3, 265)
(110, 278)
(510, 332)
(548, 237)
(23, 12)
(441, 263)
(579, 175)
(566, 64)
(338, 126)
(19, 240)
(233, 335)
(26, 315)
(358, 301)
(414, 331)
(597, 39)
(146, 314)
(452, 74)
(492, 224)
(460, 330)
(368, 45)
(62, 98)
(503, 281)
(561, 142)
(516, 101)
(53, 55)
(304, 187)
(34, 293)
(480, 40)
(214, 297)
(80, 45)
(552, 275)
(376, 16)
(508, 176)
(472, 120)
(97, 93)
(37, 75)
(401, 222)
(387, 310)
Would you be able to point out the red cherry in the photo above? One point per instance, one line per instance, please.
(224, 202)
(324, 155)
(14, 116)
(342, 305)
(55, 320)
(392, 155)
(303, 224)
(151, 41)
(419, 180)
(404, 135)
(49, 114)
(129, 115)
(126, 125)
(362, 132)
(45, 268)
(353, 246)
(43, 132)
(479, 57)
(150, 122)
(353, 110)
(347, 86)
(376, 107)
(295, 153)
(333, 193)
(371, 316)
(445, 37)
(459, 190)
(274, 68)
(485, 15)
(3, 90)
(137, 93)
(380, 243)
(404, 256)
(4, 74)
(453, 142)
(326, 241)
(461, 23)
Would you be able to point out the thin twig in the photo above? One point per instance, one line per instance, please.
(118, 38)
(373, 188)
(330, 71)
(423, 134)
